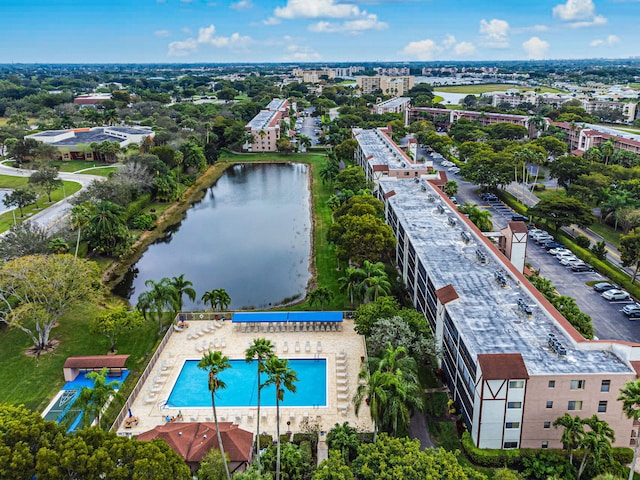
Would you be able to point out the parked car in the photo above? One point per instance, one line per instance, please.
(548, 246)
(615, 294)
(454, 200)
(604, 286)
(582, 267)
(562, 255)
(541, 240)
(632, 311)
(556, 251)
(519, 218)
(453, 170)
(489, 197)
(535, 234)
(568, 261)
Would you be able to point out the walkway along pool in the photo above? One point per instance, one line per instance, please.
(191, 391)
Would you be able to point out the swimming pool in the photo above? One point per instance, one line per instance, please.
(191, 390)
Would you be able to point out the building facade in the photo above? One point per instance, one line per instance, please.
(396, 86)
(393, 105)
(264, 128)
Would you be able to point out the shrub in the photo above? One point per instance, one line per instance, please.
(490, 457)
(266, 440)
(583, 241)
(143, 221)
(135, 207)
(284, 438)
(365, 437)
(299, 437)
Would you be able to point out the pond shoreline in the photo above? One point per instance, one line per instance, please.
(116, 272)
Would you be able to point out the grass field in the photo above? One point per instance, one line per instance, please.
(6, 219)
(492, 87)
(437, 99)
(629, 130)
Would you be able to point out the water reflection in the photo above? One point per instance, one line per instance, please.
(250, 235)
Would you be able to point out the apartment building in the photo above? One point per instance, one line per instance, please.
(627, 109)
(393, 105)
(446, 117)
(397, 86)
(380, 157)
(264, 128)
(581, 137)
(392, 71)
(513, 364)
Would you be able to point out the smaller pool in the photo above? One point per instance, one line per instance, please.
(191, 391)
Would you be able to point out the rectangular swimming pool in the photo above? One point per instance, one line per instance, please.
(191, 389)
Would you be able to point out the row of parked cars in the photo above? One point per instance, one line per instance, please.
(452, 167)
(563, 255)
(612, 292)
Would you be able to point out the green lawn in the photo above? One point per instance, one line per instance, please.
(6, 219)
(549, 192)
(437, 99)
(607, 232)
(629, 130)
(101, 171)
(491, 87)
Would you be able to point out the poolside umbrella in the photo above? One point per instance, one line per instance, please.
(130, 414)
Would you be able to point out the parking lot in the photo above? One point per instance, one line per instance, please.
(608, 320)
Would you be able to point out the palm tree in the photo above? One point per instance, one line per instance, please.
(261, 349)
(162, 296)
(630, 398)
(376, 286)
(224, 300)
(572, 434)
(596, 443)
(92, 400)
(372, 390)
(80, 218)
(210, 297)
(320, 295)
(214, 363)
(282, 377)
(350, 281)
(607, 149)
(183, 287)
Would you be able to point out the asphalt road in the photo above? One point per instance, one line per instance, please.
(52, 215)
(608, 320)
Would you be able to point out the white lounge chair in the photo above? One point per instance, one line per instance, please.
(319, 346)
(194, 417)
(285, 347)
(307, 346)
(250, 416)
(150, 398)
(343, 397)
(216, 342)
(297, 346)
(223, 342)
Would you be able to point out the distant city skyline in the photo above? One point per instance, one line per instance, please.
(222, 31)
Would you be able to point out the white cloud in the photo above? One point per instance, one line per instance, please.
(464, 49)
(182, 48)
(299, 53)
(429, 49)
(422, 49)
(368, 22)
(317, 9)
(535, 48)
(575, 10)
(207, 36)
(242, 5)
(610, 41)
(595, 21)
(495, 33)
(162, 33)
(272, 21)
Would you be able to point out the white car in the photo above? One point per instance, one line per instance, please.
(556, 251)
(539, 233)
(447, 163)
(615, 294)
(454, 170)
(568, 262)
(563, 255)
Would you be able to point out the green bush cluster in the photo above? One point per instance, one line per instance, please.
(300, 437)
(365, 437)
(266, 440)
(143, 221)
(136, 206)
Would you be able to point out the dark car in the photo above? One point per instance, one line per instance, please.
(519, 218)
(584, 267)
(633, 314)
(553, 244)
(489, 197)
(604, 286)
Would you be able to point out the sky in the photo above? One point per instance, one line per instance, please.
(221, 31)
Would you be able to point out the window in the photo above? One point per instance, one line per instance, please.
(577, 385)
(552, 384)
(544, 444)
(516, 384)
(549, 403)
(547, 424)
(602, 406)
(512, 425)
(575, 405)
(605, 385)
(514, 405)
(510, 445)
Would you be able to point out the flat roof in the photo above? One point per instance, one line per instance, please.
(50, 133)
(276, 104)
(393, 102)
(96, 134)
(262, 120)
(378, 149)
(486, 315)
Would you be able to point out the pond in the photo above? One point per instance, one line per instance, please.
(250, 235)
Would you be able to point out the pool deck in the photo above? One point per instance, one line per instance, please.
(342, 350)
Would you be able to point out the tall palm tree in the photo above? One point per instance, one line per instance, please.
(92, 400)
(261, 349)
(372, 390)
(214, 363)
(282, 377)
(210, 297)
(376, 286)
(572, 434)
(350, 281)
(607, 149)
(183, 287)
(320, 295)
(630, 398)
(596, 442)
(160, 298)
(224, 300)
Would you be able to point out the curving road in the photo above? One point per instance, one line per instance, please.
(52, 215)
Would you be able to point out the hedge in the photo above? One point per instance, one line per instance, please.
(298, 438)
(365, 437)
(512, 458)
(135, 207)
(266, 440)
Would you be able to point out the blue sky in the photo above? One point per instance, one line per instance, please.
(122, 31)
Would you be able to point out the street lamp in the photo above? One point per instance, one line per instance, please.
(64, 193)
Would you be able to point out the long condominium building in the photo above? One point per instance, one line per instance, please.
(512, 362)
(264, 128)
(396, 86)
